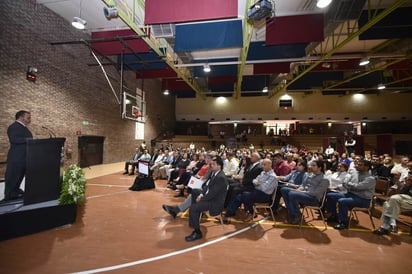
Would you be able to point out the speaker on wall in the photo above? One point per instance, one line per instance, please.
(285, 103)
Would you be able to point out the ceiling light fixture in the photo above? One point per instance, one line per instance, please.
(364, 61)
(381, 86)
(265, 90)
(78, 22)
(166, 92)
(323, 3)
(206, 68)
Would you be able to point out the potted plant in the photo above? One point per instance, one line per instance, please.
(73, 189)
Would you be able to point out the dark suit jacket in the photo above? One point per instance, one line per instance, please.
(18, 135)
(215, 193)
(248, 177)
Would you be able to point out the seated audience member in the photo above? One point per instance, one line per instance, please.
(309, 193)
(290, 161)
(344, 158)
(264, 184)
(292, 180)
(156, 154)
(133, 162)
(354, 163)
(385, 169)
(191, 169)
(360, 186)
(280, 167)
(160, 161)
(145, 157)
(170, 156)
(375, 166)
(402, 167)
(326, 169)
(339, 178)
(232, 165)
(394, 206)
(334, 163)
(167, 169)
(210, 198)
(179, 168)
(246, 184)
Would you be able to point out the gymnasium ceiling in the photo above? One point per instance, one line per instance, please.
(299, 48)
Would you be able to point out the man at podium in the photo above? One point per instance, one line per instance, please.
(18, 134)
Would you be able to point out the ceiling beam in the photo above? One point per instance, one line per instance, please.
(350, 37)
(127, 14)
(247, 37)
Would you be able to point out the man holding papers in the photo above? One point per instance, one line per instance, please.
(210, 197)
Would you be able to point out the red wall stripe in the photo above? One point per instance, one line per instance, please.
(271, 68)
(294, 29)
(157, 73)
(177, 11)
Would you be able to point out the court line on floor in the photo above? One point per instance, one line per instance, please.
(175, 253)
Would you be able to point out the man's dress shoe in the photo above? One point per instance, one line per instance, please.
(169, 210)
(194, 236)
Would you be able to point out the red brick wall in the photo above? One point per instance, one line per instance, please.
(68, 91)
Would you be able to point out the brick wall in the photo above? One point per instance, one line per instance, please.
(68, 91)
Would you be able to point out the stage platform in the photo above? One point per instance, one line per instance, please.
(17, 219)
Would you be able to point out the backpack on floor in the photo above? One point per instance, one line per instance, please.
(142, 183)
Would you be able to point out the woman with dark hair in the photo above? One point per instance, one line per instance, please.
(309, 193)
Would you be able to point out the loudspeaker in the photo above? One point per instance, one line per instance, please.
(285, 103)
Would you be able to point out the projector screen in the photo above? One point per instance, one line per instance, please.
(143, 168)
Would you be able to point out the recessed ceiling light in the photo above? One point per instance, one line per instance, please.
(381, 86)
(364, 61)
(323, 3)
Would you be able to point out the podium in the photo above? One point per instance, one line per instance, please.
(43, 170)
(40, 209)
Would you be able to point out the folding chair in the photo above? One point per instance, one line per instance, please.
(319, 207)
(266, 206)
(368, 209)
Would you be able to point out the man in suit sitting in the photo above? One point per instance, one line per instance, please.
(245, 187)
(133, 162)
(210, 198)
(16, 158)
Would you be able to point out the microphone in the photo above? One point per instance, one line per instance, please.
(51, 133)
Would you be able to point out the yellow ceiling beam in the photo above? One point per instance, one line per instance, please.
(247, 37)
(127, 14)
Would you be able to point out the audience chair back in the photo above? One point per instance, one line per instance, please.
(382, 187)
(266, 206)
(368, 209)
(319, 208)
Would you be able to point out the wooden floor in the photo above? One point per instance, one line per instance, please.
(122, 231)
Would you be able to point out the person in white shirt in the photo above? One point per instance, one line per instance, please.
(232, 165)
(329, 151)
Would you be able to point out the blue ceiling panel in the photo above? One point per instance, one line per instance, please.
(252, 83)
(184, 93)
(397, 24)
(223, 70)
(370, 80)
(259, 51)
(221, 87)
(208, 35)
(316, 79)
